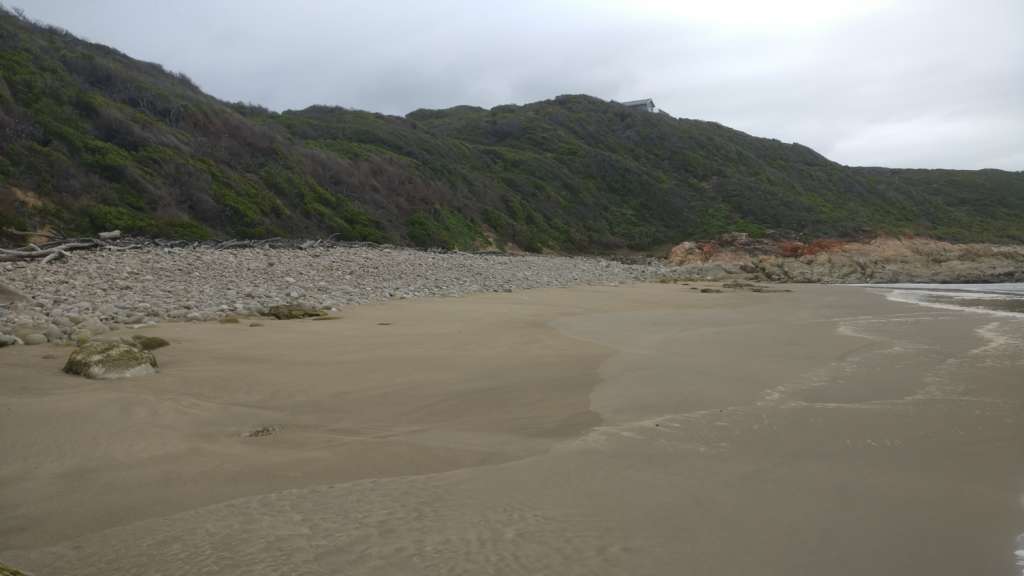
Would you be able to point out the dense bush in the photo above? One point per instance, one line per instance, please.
(106, 141)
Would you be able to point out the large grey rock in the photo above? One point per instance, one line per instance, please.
(8, 340)
(34, 339)
(54, 334)
(109, 360)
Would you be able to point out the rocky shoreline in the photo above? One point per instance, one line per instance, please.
(138, 283)
(95, 291)
(878, 261)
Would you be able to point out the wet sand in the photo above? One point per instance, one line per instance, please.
(644, 429)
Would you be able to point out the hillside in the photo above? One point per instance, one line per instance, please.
(91, 139)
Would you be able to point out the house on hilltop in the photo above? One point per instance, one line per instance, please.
(647, 105)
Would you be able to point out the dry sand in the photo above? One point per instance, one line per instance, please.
(646, 429)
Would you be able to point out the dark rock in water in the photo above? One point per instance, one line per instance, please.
(109, 360)
(710, 291)
(294, 312)
(149, 342)
(260, 432)
(762, 290)
(739, 285)
(255, 325)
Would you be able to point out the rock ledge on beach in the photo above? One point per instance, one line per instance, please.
(294, 312)
(109, 360)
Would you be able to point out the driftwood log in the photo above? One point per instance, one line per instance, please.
(46, 252)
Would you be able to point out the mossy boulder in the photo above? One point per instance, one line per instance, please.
(8, 571)
(109, 360)
(149, 342)
(294, 312)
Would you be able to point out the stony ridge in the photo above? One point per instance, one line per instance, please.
(93, 291)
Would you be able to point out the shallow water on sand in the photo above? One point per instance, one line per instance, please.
(1004, 298)
(1002, 340)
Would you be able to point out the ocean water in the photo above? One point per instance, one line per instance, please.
(1005, 299)
(1020, 553)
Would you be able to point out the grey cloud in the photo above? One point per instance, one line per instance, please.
(918, 83)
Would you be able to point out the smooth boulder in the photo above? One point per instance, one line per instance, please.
(34, 339)
(100, 360)
(148, 342)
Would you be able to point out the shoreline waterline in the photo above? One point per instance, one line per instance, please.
(1001, 299)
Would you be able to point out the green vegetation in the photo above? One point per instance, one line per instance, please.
(105, 141)
(8, 571)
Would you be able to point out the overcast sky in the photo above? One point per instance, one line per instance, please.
(902, 83)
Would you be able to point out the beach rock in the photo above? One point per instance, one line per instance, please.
(710, 291)
(9, 295)
(8, 340)
(294, 312)
(261, 432)
(109, 360)
(24, 329)
(93, 325)
(149, 342)
(34, 339)
(54, 334)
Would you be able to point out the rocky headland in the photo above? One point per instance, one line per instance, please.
(881, 260)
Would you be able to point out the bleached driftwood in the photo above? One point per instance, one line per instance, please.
(33, 252)
(115, 240)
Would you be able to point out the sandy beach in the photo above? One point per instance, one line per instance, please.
(640, 429)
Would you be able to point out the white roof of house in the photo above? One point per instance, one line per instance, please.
(644, 102)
